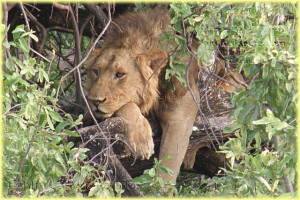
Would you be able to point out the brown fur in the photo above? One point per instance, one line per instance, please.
(231, 84)
(117, 74)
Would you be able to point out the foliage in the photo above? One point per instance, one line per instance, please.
(152, 184)
(265, 35)
(37, 160)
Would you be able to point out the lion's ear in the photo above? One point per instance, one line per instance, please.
(158, 58)
(93, 57)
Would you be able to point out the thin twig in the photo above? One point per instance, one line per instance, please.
(27, 23)
(60, 29)
(286, 178)
(43, 30)
(51, 188)
(77, 54)
(170, 54)
(61, 6)
(37, 53)
(230, 72)
(62, 56)
(194, 55)
(85, 58)
(79, 78)
(12, 108)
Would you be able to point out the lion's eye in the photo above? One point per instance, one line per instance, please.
(120, 75)
(96, 72)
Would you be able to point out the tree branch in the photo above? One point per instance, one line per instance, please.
(98, 12)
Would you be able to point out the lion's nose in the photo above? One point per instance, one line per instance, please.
(97, 102)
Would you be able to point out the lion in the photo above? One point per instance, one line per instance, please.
(124, 80)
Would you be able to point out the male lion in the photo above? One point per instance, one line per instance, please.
(117, 74)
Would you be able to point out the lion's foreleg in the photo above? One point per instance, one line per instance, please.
(177, 125)
(138, 132)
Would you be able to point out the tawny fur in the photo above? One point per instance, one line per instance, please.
(131, 46)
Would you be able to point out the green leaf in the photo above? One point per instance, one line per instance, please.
(19, 28)
(60, 170)
(60, 159)
(263, 180)
(166, 170)
(71, 133)
(42, 119)
(284, 161)
(44, 164)
(224, 34)
(50, 122)
(78, 121)
(273, 62)
(61, 126)
(256, 163)
(161, 182)
(36, 39)
(55, 116)
(152, 172)
(262, 121)
(24, 45)
(231, 128)
(270, 114)
(258, 49)
(280, 75)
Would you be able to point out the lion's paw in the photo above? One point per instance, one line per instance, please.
(189, 158)
(139, 138)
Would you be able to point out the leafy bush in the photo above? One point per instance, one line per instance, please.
(152, 184)
(264, 150)
(37, 160)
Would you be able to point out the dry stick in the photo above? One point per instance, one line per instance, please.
(43, 30)
(206, 99)
(198, 106)
(27, 23)
(81, 89)
(77, 56)
(99, 14)
(7, 51)
(84, 24)
(61, 6)
(85, 58)
(61, 55)
(219, 77)
(286, 178)
(231, 73)
(53, 187)
(40, 54)
(170, 54)
(60, 29)
(190, 50)
(78, 35)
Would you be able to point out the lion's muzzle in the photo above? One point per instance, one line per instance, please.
(97, 102)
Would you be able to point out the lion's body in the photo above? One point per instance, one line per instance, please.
(118, 84)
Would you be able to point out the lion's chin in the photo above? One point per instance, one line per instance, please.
(102, 115)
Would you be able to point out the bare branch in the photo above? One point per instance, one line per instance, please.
(27, 23)
(43, 31)
(61, 6)
(77, 58)
(98, 12)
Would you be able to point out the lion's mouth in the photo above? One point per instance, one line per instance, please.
(100, 114)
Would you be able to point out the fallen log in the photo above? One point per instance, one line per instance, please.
(108, 147)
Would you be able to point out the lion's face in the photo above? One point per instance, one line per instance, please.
(113, 80)
(118, 76)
